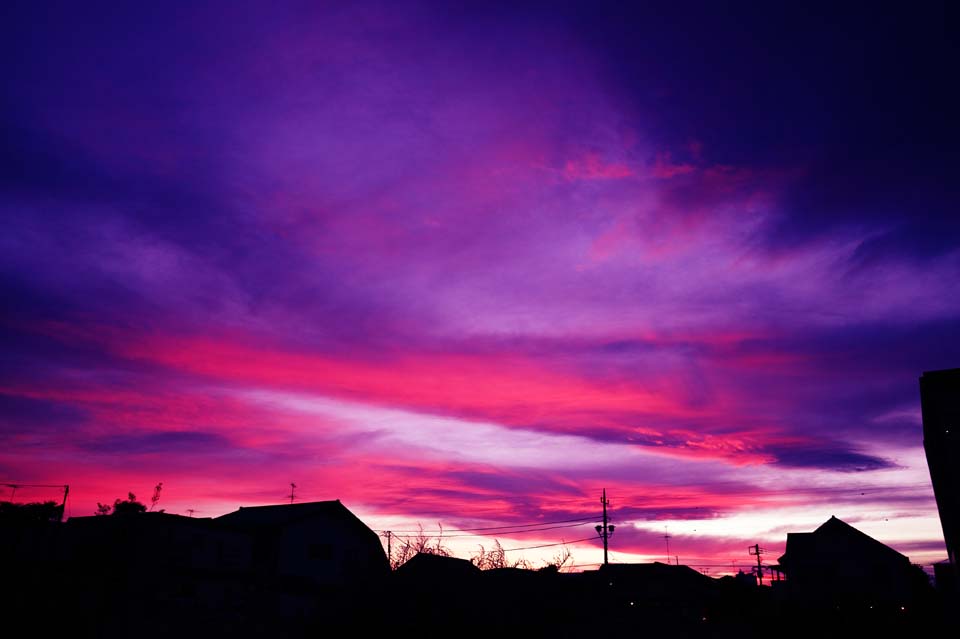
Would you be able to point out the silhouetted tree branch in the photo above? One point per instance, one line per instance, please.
(496, 557)
(562, 560)
(490, 559)
(128, 506)
(421, 543)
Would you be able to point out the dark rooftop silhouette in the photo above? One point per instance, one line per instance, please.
(283, 514)
(302, 569)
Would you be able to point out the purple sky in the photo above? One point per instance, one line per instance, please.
(470, 266)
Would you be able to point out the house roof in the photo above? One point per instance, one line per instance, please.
(147, 518)
(259, 517)
(657, 571)
(834, 530)
(424, 564)
(949, 372)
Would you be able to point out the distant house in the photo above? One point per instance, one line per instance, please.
(437, 593)
(151, 541)
(837, 564)
(29, 533)
(429, 569)
(314, 544)
(189, 564)
(658, 583)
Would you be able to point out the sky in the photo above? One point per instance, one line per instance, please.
(465, 265)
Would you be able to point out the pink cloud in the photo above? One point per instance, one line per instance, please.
(664, 168)
(593, 167)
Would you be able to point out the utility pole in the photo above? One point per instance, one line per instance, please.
(66, 491)
(757, 550)
(606, 529)
(63, 506)
(666, 538)
(389, 550)
(293, 487)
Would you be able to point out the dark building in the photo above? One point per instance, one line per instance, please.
(945, 578)
(151, 543)
(838, 564)
(317, 543)
(940, 403)
(114, 571)
(429, 569)
(659, 587)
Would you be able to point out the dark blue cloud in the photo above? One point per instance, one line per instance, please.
(25, 415)
(829, 456)
(854, 98)
(176, 443)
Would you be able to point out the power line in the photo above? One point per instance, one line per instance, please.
(66, 491)
(512, 529)
(795, 490)
(539, 523)
(799, 492)
(734, 482)
(804, 494)
(561, 543)
(499, 533)
(17, 485)
(713, 566)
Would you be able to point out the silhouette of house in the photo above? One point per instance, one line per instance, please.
(436, 592)
(429, 569)
(838, 564)
(135, 560)
(658, 584)
(940, 405)
(945, 578)
(29, 533)
(312, 544)
(146, 542)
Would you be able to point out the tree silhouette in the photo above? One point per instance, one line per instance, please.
(128, 506)
(562, 561)
(490, 559)
(496, 557)
(422, 543)
(34, 512)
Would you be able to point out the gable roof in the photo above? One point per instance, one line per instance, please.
(837, 527)
(833, 530)
(261, 517)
